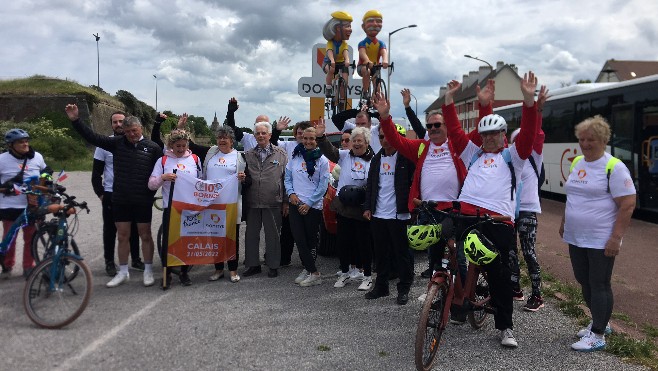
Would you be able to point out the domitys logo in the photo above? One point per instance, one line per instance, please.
(488, 161)
(222, 160)
(386, 166)
(215, 218)
(582, 174)
(180, 166)
(358, 165)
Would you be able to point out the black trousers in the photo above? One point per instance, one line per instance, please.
(392, 252)
(305, 229)
(287, 241)
(352, 235)
(110, 232)
(499, 274)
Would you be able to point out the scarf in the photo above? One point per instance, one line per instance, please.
(367, 155)
(309, 157)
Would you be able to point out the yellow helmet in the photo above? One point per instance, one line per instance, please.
(372, 14)
(400, 129)
(343, 16)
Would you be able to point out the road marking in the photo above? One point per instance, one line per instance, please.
(109, 335)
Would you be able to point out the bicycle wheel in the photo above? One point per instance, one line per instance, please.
(380, 87)
(53, 300)
(41, 244)
(341, 95)
(480, 295)
(431, 326)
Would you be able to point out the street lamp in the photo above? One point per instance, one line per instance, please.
(156, 92)
(388, 82)
(416, 103)
(481, 60)
(98, 61)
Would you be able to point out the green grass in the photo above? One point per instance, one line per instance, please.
(44, 85)
(77, 164)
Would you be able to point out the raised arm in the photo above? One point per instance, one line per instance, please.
(281, 125)
(340, 118)
(156, 135)
(230, 118)
(105, 142)
(407, 147)
(456, 134)
(327, 149)
(526, 137)
(486, 97)
(411, 115)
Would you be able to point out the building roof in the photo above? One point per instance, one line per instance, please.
(469, 92)
(614, 70)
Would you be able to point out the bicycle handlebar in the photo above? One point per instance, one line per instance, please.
(427, 205)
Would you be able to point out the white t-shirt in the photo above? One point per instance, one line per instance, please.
(10, 166)
(386, 207)
(304, 187)
(529, 192)
(488, 183)
(248, 141)
(354, 170)
(186, 165)
(108, 171)
(438, 177)
(222, 165)
(374, 135)
(288, 146)
(591, 211)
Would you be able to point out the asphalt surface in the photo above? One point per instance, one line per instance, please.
(263, 323)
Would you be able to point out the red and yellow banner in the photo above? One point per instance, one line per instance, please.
(202, 221)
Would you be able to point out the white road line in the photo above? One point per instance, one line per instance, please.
(109, 335)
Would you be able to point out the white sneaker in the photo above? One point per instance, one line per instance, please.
(507, 338)
(118, 279)
(366, 284)
(589, 343)
(356, 274)
(302, 276)
(148, 279)
(422, 297)
(311, 280)
(339, 273)
(342, 280)
(585, 331)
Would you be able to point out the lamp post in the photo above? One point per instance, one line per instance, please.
(388, 82)
(98, 62)
(156, 92)
(416, 103)
(481, 60)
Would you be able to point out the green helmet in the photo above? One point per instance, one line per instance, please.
(479, 249)
(423, 236)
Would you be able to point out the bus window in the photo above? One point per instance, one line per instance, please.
(558, 124)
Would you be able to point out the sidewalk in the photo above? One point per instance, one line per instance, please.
(634, 275)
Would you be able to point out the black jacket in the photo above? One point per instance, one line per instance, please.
(404, 172)
(133, 165)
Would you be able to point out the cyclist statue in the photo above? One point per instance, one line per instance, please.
(371, 49)
(336, 31)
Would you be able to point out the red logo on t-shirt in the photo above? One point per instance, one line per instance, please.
(438, 150)
(221, 160)
(582, 174)
(303, 165)
(358, 165)
(488, 161)
(180, 166)
(386, 166)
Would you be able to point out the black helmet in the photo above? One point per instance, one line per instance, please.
(351, 195)
(15, 134)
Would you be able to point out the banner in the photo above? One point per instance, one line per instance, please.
(202, 220)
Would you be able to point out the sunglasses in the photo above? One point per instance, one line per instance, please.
(430, 126)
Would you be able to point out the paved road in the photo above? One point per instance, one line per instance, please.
(262, 323)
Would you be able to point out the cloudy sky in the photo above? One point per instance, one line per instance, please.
(206, 51)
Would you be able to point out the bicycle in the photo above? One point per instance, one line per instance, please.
(376, 85)
(58, 289)
(337, 102)
(445, 287)
(46, 231)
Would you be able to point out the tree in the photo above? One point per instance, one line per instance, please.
(199, 125)
(136, 107)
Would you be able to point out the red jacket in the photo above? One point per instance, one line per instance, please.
(409, 148)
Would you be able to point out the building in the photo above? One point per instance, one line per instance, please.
(507, 92)
(616, 71)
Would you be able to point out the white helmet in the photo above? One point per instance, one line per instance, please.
(492, 122)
